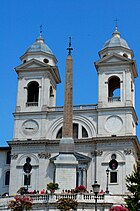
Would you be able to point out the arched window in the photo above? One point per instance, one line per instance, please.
(114, 89)
(59, 134)
(8, 157)
(75, 132)
(84, 132)
(51, 92)
(7, 177)
(32, 94)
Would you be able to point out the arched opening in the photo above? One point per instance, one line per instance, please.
(51, 92)
(114, 89)
(32, 94)
(76, 128)
(7, 177)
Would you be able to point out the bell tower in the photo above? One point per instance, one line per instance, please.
(116, 87)
(117, 71)
(38, 77)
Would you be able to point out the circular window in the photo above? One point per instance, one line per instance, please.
(125, 55)
(46, 61)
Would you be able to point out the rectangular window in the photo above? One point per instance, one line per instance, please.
(27, 179)
(113, 177)
(8, 157)
(7, 178)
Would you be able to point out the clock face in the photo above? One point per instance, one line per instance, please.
(30, 127)
(113, 124)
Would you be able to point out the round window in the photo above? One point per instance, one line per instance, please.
(46, 61)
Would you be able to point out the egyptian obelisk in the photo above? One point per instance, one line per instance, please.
(66, 162)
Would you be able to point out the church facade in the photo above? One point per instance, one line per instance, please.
(104, 134)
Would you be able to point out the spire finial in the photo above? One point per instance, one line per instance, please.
(116, 27)
(69, 48)
(40, 30)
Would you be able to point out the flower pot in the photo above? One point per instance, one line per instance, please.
(52, 191)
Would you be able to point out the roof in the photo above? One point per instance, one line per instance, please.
(39, 46)
(115, 41)
(5, 148)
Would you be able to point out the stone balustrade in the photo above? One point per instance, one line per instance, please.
(83, 198)
(76, 107)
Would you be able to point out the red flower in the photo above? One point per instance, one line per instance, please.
(118, 208)
(20, 203)
(80, 188)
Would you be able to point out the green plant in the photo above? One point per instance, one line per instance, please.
(22, 190)
(133, 185)
(52, 186)
(67, 204)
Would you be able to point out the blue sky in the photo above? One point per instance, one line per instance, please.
(89, 22)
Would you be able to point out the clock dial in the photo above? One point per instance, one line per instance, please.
(113, 124)
(30, 127)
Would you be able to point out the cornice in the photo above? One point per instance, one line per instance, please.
(94, 140)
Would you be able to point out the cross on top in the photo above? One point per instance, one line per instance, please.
(69, 48)
(116, 20)
(41, 30)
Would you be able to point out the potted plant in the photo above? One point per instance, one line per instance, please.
(80, 189)
(52, 186)
(22, 191)
(67, 204)
(20, 203)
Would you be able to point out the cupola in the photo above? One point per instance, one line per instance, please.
(116, 44)
(39, 51)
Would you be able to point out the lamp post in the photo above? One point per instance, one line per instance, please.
(96, 188)
(107, 173)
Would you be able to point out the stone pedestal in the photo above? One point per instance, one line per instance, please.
(65, 174)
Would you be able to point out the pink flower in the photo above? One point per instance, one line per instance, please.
(118, 208)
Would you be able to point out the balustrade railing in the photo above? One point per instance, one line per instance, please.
(29, 104)
(76, 107)
(84, 197)
(114, 99)
(88, 198)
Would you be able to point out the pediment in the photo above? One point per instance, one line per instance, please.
(112, 59)
(33, 63)
(79, 157)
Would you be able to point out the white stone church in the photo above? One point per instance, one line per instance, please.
(102, 132)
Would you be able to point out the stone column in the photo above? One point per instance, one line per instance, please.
(84, 177)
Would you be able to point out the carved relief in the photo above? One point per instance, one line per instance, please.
(45, 155)
(97, 153)
(128, 151)
(14, 156)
